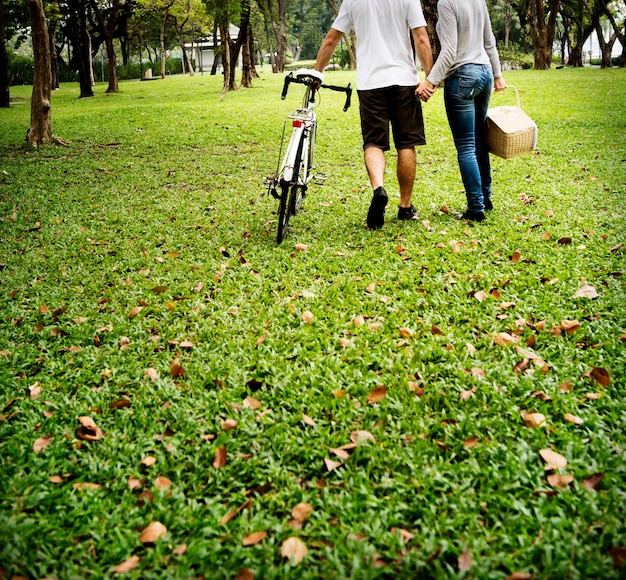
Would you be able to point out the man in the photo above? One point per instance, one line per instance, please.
(387, 81)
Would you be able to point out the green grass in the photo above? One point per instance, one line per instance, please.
(157, 201)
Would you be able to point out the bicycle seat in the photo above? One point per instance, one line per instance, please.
(302, 73)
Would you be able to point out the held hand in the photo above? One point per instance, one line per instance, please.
(425, 90)
(499, 84)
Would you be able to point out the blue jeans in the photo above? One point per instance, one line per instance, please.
(466, 94)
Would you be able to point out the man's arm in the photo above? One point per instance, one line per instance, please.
(422, 48)
(425, 55)
(327, 49)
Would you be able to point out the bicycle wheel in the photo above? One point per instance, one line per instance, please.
(283, 212)
(299, 178)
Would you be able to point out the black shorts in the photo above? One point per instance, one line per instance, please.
(399, 106)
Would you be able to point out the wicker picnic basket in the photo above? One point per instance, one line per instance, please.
(510, 131)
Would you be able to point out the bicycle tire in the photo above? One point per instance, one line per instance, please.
(297, 190)
(283, 212)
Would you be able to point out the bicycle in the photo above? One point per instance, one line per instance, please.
(290, 182)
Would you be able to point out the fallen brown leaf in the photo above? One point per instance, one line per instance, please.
(88, 431)
(377, 394)
(361, 436)
(127, 565)
(586, 291)
(220, 458)
(573, 419)
(560, 481)
(330, 464)
(465, 561)
(254, 538)
(570, 326)
(301, 512)
(618, 554)
(592, 483)
(41, 443)
(251, 403)
(601, 376)
(162, 483)
(152, 533)
(306, 419)
(534, 420)
(294, 549)
(134, 312)
(553, 459)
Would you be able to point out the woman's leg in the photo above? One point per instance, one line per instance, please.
(460, 91)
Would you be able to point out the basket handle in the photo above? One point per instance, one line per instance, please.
(516, 95)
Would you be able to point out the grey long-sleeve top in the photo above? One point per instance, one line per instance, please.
(465, 35)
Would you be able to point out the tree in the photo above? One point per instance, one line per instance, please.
(162, 9)
(106, 15)
(40, 131)
(275, 15)
(78, 35)
(541, 17)
(5, 97)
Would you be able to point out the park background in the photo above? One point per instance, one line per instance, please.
(181, 397)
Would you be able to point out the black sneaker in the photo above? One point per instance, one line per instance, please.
(488, 205)
(376, 212)
(473, 216)
(407, 213)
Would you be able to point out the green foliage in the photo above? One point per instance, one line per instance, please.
(516, 57)
(20, 69)
(142, 287)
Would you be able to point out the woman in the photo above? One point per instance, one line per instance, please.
(469, 66)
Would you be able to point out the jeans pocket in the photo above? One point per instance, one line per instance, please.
(467, 88)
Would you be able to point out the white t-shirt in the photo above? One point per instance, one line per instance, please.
(383, 49)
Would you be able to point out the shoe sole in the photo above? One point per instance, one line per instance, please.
(376, 212)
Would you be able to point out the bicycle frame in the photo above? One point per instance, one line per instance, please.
(294, 174)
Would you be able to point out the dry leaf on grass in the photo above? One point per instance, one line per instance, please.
(220, 457)
(306, 419)
(301, 512)
(377, 394)
(229, 424)
(162, 483)
(307, 317)
(560, 481)
(251, 403)
(570, 326)
(360, 436)
(294, 549)
(330, 464)
(88, 430)
(573, 419)
(592, 483)
(134, 312)
(586, 291)
(601, 376)
(553, 459)
(152, 533)
(481, 296)
(534, 420)
(127, 565)
(41, 443)
(254, 538)
(465, 561)
(149, 460)
(505, 339)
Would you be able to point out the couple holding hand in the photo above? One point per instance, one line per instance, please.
(390, 92)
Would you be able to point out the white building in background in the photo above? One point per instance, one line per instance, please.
(203, 53)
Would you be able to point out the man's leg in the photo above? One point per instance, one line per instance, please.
(406, 174)
(375, 165)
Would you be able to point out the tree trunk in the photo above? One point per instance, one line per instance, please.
(5, 96)
(162, 43)
(40, 131)
(606, 47)
(107, 31)
(54, 60)
(81, 44)
(225, 52)
(542, 32)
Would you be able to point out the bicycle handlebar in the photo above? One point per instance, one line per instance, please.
(310, 82)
